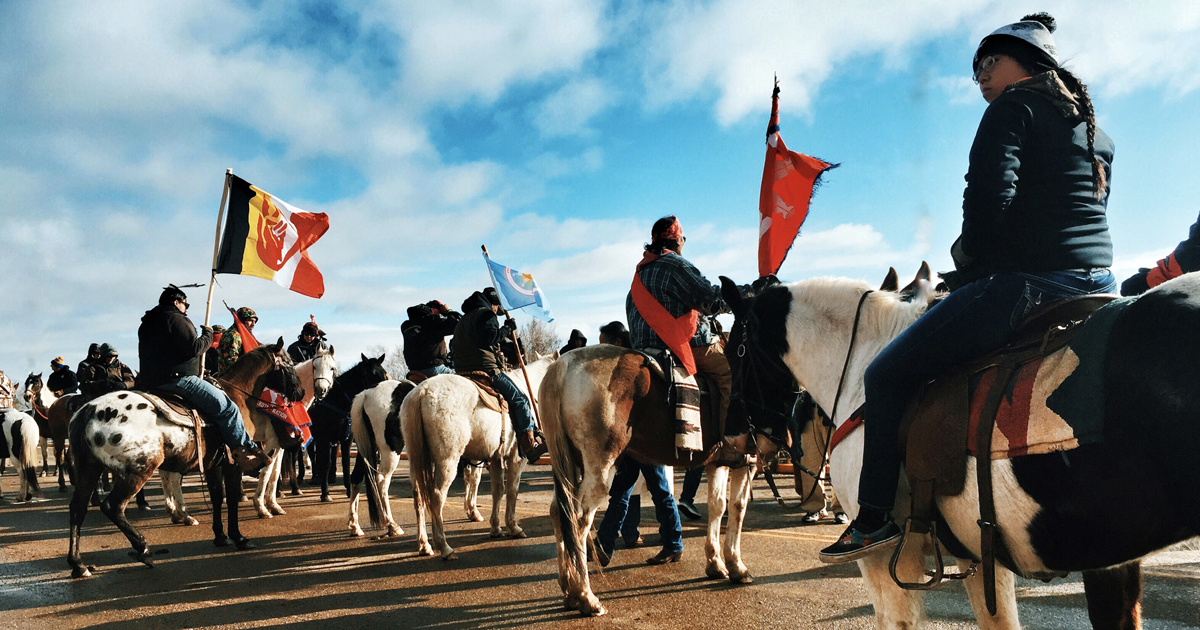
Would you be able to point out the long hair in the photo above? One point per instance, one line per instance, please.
(1089, 116)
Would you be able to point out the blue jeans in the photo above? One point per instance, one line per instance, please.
(691, 483)
(214, 405)
(435, 370)
(978, 318)
(518, 404)
(665, 511)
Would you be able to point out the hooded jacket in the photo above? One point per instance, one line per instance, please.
(63, 381)
(425, 335)
(1030, 202)
(168, 347)
(476, 337)
(99, 378)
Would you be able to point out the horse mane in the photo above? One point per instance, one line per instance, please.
(250, 365)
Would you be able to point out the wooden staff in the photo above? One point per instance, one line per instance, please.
(212, 280)
(537, 418)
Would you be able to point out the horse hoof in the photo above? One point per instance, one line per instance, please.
(475, 516)
(588, 609)
(745, 578)
(497, 533)
(518, 534)
(716, 573)
(81, 572)
(277, 511)
(357, 532)
(222, 541)
(325, 499)
(453, 555)
(244, 544)
(264, 514)
(296, 492)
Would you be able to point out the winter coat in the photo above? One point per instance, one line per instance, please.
(63, 382)
(230, 349)
(1030, 202)
(100, 378)
(477, 337)
(168, 347)
(425, 337)
(301, 351)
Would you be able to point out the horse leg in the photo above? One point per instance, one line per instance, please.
(352, 522)
(739, 489)
(44, 443)
(471, 478)
(233, 482)
(1114, 597)
(388, 461)
(593, 492)
(88, 477)
(717, 477)
(894, 606)
(216, 494)
(512, 481)
(264, 491)
(496, 475)
(322, 468)
(1006, 617)
(60, 455)
(443, 475)
(172, 485)
(114, 506)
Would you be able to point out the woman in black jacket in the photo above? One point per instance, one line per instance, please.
(1033, 231)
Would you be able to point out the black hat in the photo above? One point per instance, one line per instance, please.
(492, 296)
(310, 329)
(107, 350)
(93, 349)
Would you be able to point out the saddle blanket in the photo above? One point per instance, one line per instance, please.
(294, 417)
(687, 410)
(490, 397)
(1052, 403)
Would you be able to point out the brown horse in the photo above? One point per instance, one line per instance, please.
(123, 432)
(52, 419)
(597, 403)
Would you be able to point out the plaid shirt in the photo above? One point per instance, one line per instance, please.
(680, 287)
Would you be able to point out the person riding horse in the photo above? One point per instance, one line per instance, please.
(63, 381)
(169, 352)
(93, 356)
(104, 375)
(306, 345)
(1185, 258)
(425, 333)
(1034, 230)
(230, 347)
(8, 391)
(475, 345)
(577, 340)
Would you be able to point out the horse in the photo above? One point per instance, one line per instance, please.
(445, 420)
(1057, 513)
(597, 403)
(50, 413)
(123, 432)
(19, 440)
(331, 419)
(376, 412)
(316, 377)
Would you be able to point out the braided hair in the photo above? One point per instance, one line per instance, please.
(1076, 87)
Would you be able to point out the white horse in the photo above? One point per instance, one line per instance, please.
(316, 377)
(20, 435)
(36, 400)
(444, 420)
(375, 413)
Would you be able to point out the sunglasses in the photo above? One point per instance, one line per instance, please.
(985, 66)
(184, 303)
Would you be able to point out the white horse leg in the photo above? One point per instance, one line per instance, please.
(717, 476)
(593, 491)
(740, 484)
(472, 475)
(352, 521)
(383, 481)
(1006, 599)
(443, 475)
(496, 472)
(895, 608)
(172, 485)
(260, 490)
(276, 469)
(512, 481)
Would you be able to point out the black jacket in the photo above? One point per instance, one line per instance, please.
(62, 382)
(1030, 202)
(101, 378)
(168, 347)
(300, 351)
(425, 337)
(477, 337)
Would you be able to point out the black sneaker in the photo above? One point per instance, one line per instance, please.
(688, 510)
(854, 544)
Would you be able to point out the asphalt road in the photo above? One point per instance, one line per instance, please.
(309, 572)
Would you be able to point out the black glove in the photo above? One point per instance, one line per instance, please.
(508, 328)
(1136, 284)
(206, 330)
(763, 282)
(951, 281)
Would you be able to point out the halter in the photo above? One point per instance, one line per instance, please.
(318, 379)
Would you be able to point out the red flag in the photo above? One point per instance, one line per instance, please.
(787, 188)
(248, 341)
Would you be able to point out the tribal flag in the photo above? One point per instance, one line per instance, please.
(266, 237)
(248, 341)
(518, 290)
(787, 187)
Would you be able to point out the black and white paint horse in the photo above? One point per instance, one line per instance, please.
(1057, 513)
(19, 441)
(331, 419)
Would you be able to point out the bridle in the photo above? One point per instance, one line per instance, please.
(318, 379)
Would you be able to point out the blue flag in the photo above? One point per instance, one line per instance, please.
(518, 291)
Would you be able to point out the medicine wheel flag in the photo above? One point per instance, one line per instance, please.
(267, 237)
(518, 290)
(787, 188)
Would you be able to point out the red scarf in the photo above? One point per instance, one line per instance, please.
(676, 332)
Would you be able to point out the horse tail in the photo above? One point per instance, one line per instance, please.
(567, 473)
(367, 461)
(420, 467)
(25, 439)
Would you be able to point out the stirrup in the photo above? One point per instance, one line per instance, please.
(938, 574)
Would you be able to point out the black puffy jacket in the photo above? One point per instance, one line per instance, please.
(425, 335)
(168, 347)
(1030, 202)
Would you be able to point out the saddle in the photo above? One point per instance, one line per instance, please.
(948, 420)
(173, 408)
(691, 403)
(490, 397)
(415, 376)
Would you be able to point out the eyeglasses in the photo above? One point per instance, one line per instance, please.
(184, 303)
(985, 66)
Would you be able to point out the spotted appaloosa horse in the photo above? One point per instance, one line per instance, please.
(19, 440)
(122, 432)
(1058, 512)
(445, 420)
(598, 402)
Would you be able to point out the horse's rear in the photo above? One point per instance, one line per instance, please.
(20, 433)
(375, 426)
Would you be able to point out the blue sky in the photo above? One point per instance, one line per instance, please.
(554, 131)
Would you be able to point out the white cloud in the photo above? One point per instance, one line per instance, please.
(568, 111)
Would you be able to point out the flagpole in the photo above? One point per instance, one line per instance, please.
(212, 280)
(520, 359)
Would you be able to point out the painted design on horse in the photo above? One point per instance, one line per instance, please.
(316, 377)
(1055, 511)
(50, 413)
(597, 403)
(122, 432)
(374, 414)
(19, 441)
(444, 420)
(331, 419)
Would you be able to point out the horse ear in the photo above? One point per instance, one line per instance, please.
(364, 357)
(732, 296)
(280, 342)
(919, 285)
(891, 282)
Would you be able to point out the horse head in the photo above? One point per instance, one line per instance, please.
(370, 371)
(324, 370)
